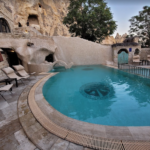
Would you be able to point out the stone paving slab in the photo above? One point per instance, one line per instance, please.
(60, 145)
(10, 128)
(9, 143)
(24, 143)
(74, 147)
(2, 116)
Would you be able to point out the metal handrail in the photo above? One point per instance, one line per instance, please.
(140, 71)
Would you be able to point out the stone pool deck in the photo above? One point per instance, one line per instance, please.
(12, 135)
(39, 126)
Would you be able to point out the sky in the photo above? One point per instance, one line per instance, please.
(123, 10)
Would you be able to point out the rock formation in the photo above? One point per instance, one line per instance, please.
(109, 40)
(119, 38)
(44, 15)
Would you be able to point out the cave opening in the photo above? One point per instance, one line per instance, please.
(19, 24)
(12, 57)
(49, 58)
(33, 19)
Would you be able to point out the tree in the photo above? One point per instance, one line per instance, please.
(140, 25)
(90, 19)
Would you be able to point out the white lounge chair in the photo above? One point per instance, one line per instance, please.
(136, 59)
(5, 89)
(148, 58)
(21, 71)
(11, 74)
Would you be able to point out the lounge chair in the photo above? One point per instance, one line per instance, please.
(21, 71)
(136, 59)
(5, 89)
(11, 74)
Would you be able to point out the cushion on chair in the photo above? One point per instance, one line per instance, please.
(8, 70)
(148, 57)
(6, 87)
(18, 67)
(136, 57)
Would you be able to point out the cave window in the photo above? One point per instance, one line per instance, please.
(19, 24)
(4, 27)
(49, 58)
(27, 23)
(12, 56)
(137, 51)
(33, 19)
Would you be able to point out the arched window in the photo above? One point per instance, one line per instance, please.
(137, 51)
(4, 27)
(33, 19)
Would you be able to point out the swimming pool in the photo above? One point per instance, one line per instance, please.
(100, 95)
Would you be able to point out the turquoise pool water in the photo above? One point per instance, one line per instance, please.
(100, 95)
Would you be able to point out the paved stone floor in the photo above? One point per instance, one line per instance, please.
(12, 136)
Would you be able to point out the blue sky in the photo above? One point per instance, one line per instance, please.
(123, 10)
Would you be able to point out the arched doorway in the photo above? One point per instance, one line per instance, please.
(123, 56)
(4, 26)
(12, 57)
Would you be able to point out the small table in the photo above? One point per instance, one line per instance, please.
(9, 80)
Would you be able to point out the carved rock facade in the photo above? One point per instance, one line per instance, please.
(44, 15)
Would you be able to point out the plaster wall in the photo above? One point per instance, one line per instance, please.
(81, 52)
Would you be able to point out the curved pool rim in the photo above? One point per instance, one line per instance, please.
(67, 89)
(141, 133)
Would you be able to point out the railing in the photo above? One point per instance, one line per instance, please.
(140, 71)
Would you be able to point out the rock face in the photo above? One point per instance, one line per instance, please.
(109, 40)
(44, 15)
(119, 38)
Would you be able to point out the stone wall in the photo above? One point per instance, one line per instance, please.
(130, 56)
(3, 64)
(144, 53)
